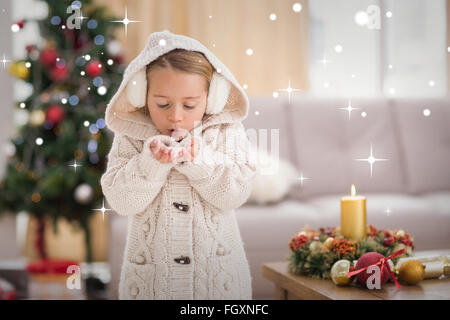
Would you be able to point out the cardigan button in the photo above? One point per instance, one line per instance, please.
(183, 260)
(227, 285)
(215, 218)
(146, 227)
(140, 259)
(181, 207)
(220, 251)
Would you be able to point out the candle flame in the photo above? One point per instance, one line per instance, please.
(353, 190)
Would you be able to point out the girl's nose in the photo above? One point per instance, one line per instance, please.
(176, 114)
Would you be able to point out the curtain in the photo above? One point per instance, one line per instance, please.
(229, 28)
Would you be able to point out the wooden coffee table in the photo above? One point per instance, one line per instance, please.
(293, 287)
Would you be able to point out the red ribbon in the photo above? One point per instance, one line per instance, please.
(382, 262)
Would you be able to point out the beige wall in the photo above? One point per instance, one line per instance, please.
(448, 44)
(280, 46)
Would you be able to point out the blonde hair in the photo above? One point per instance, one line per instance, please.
(185, 61)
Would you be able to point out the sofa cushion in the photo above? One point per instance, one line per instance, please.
(425, 142)
(326, 144)
(273, 226)
(273, 180)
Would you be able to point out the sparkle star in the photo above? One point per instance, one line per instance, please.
(103, 209)
(324, 61)
(301, 178)
(75, 165)
(371, 160)
(388, 211)
(81, 17)
(4, 61)
(126, 21)
(349, 108)
(289, 90)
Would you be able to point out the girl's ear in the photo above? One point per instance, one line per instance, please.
(137, 89)
(219, 89)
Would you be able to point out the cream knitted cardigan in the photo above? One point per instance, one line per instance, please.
(183, 239)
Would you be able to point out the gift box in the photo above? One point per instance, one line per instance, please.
(15, 273)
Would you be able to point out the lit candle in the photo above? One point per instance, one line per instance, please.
(353, 216)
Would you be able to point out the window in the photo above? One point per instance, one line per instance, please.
(395, 48)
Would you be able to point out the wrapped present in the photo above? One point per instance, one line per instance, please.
(7, 290)
(49, 266)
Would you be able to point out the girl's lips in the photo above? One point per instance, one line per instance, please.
(178, 134)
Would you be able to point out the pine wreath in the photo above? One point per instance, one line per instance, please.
(313, 252)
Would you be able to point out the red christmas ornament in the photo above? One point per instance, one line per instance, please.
(48, 57)
(54, 114)
(94, 68)
(59, 74)
(369, 259)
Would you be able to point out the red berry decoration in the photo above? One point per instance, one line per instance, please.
(30, 48)
(20, 23)
(59, 74)
(369, 259)
(54, 114)
(388, 241)
(94, 68)
(48, 57)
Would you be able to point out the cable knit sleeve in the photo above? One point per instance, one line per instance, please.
(133, 177)
(222, 173)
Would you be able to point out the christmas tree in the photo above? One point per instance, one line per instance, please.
(58, 154)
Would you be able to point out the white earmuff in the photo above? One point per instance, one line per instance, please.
(219, 89)
(137, 89)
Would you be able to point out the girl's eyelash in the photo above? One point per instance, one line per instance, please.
(165, 105)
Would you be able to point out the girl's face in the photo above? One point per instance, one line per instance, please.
(176, 99)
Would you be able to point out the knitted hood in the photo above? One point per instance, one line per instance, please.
(125, 113)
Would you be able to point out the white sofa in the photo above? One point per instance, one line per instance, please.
(322, 142)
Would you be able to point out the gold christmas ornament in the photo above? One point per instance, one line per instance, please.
(339, 272)
(328, 242)
(37, 118)
(411, 272)
(19, 70)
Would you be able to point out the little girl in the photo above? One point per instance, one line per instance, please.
(178, 167)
